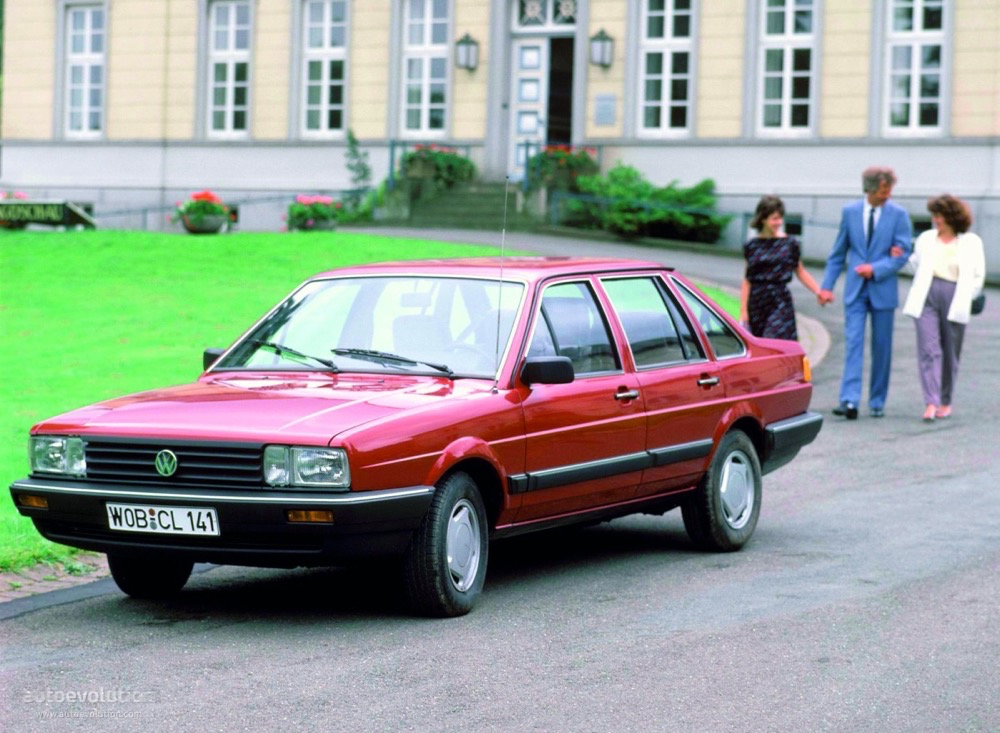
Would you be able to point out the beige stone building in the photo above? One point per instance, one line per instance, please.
(132, 104)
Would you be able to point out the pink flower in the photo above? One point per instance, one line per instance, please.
(310, 200)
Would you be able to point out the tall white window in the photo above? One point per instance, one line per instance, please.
(425, 67)
(229, 68)
(665, 65)
(84, 71)
(325, 59)
(914, 66)
(787, 60)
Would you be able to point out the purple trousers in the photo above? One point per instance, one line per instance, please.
(939, 344)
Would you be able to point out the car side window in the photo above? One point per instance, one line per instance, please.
(649, 327)
(693, 349)
(570, 324)
(723, 339)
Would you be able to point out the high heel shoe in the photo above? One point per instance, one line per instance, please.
(930, 413)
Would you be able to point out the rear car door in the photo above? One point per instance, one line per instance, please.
(585, 441)
(683, 395)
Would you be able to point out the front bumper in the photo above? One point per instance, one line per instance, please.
(254, 529)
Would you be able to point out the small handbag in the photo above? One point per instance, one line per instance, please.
(978, 303)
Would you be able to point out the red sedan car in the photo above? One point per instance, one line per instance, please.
(420, 409)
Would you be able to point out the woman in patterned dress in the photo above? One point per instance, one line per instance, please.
(772, 257)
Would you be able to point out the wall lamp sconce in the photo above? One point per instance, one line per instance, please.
(467, 53)
(602, 47)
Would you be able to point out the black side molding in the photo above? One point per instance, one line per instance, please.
(552, 477)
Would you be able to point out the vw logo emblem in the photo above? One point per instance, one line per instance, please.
(166, 463)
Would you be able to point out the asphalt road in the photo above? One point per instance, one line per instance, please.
(867, 601)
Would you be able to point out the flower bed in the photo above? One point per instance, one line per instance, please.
(559, 166)
(443, 166)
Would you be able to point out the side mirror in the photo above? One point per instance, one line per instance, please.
(547, 370)
(210, 357)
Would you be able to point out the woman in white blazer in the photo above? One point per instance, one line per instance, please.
(949, 270)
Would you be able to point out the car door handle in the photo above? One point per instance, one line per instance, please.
(630, 394)
(708, 381)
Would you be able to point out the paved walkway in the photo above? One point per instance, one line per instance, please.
(85, 567)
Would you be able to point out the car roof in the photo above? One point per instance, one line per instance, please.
(517, 268)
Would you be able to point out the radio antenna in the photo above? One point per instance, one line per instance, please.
(503, 239)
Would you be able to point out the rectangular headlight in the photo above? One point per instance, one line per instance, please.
(289, 466)
(57, 454)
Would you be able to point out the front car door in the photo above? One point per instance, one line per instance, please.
(585, 441)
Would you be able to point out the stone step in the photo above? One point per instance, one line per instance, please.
(478, 206)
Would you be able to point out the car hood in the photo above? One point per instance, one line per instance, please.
(310, 408)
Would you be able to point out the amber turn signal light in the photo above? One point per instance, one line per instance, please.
(807, 371)
(35, 502)
(315, 516)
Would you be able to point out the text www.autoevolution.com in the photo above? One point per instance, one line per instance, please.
(89, 715)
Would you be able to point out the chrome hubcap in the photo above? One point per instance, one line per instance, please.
(463, 545)
(737, 489)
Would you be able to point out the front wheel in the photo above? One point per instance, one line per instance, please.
(445, 564)
(722, 513)
(145, 576)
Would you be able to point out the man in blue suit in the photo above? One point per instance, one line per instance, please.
(873, 243)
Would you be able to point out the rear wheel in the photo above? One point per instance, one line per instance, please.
(722, 513)
(445, 565)
(148, 576)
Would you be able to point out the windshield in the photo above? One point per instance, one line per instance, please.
(392, 323)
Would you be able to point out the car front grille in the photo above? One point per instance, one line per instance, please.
(232, 465)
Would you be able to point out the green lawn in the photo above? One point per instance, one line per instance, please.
(86, 316)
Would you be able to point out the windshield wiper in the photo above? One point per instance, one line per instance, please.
(382, 357)
(289, 351)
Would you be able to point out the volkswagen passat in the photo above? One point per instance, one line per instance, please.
(421, 409)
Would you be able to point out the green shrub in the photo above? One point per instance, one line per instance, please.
(444, 167)
(689, 213)
(621, 201)
(361, 176)
(626, 204)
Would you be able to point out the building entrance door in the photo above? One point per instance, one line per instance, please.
(541, 97)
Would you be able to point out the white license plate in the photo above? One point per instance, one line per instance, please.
(163, 519)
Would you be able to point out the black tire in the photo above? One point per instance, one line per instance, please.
(722, 513)
(149, 576)
(445, 564)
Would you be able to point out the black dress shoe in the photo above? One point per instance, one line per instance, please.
(846, 409)
(877, 412)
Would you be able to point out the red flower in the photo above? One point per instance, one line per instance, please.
(206, 196)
